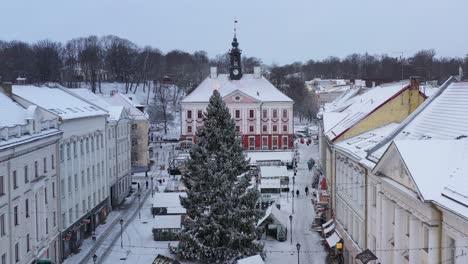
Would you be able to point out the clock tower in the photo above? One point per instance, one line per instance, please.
(235, 69)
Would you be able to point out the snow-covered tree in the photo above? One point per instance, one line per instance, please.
(221, 214)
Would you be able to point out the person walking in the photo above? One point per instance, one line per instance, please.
(307, 190)
(146, 184)
(297, 193)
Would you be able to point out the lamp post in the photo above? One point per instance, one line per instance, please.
(139, 205)
(292, 192)
(298, 247)
(94, 258)
(290, 221)
(152, 186)
(121, 231)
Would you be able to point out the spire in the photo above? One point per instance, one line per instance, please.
(234, 43)
(235, 57)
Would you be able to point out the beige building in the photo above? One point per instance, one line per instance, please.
(139, 130)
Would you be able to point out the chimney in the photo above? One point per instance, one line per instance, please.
(213, 73)
(414, 82)
(6, 88)
(257, 72)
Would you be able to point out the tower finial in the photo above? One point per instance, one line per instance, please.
(235, 27)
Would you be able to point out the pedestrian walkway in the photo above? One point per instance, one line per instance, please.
(311, 250)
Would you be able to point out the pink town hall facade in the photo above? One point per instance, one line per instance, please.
(263, 115)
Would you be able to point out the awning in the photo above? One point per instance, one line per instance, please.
(329, 229)
(333, 239)
(328, 223)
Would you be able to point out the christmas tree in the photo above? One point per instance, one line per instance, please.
(221, 214)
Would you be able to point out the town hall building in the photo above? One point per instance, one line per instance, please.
(263, 114)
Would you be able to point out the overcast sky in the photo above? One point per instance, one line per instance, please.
(280, 31)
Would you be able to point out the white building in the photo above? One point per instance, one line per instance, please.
(117, 145)
(417, 192)
(28, 182)
(84, 183)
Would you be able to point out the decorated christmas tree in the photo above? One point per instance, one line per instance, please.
(221, 214)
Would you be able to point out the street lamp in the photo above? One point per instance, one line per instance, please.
(298, 246)
(292, 192)
(94, 258)
(139, 205)
(121, 231)
(290, 221)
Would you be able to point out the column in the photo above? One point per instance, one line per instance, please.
(461, 250)
(399, 232)
(385, 228)
(415, 237)
(433, 252)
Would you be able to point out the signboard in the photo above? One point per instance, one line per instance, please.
(366, 256)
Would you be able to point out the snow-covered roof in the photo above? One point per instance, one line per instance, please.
(278, 216)
(259, 156)
(442, 116)
(258, 88)
(343, 100)
(330, 119)
(270, 184)
(58, 100)
(119, 99)
(171, 201)
(365, 104)
(273, 171)
(11, 113)
(167, 221)
(439, 169)
(257, 259)
(359, 145)
(114, 111)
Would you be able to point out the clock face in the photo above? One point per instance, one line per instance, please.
(235, 71)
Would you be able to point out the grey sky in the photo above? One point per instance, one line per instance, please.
(275, 31)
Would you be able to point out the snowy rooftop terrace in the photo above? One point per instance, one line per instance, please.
(167, 221)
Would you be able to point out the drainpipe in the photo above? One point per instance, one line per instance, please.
(366, 203)
(439, 239)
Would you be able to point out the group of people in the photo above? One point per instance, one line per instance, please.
(306, 190)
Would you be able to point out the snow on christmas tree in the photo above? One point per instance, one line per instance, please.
(221, 214)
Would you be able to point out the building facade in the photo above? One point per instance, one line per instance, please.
(29, 172)
(84, 184)
(263, 115)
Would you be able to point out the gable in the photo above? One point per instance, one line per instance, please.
(392, 166)
(396, 110)
(239, 97)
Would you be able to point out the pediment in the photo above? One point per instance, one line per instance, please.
(239, 97)
(392, 166)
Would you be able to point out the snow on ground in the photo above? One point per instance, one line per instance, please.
(312, 250)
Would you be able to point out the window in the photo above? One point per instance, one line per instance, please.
(285, 128)
(61, 153)
(82, 179)
(426, 239)
(76, 181)
(44, 161)
(62, 184)
(28, 247)
(52, 161)
(275, 142)
(68, 151)
(36, 169)
(92, 144)
(17, 252)
(252, 142)
(189, 129)
(2, 185)
(237, 113)
(264, 128)
(53, 189)
(189, 114)
(97, 141)
(4, 259)
(264, 142)
(26, 177)
(88, 174)
(15, 215)
(64, 219)
(87, 145)
(251, 114)
(237, 129)
(26, 207)
(265, 113)
(199, 114)
(81, 147)
(15, 180)
(45, 195)
(75, 151)
(69, 182)
(2, 225)
(285, 142)
(275, 113)
(285, 113)
(47, 225)
(275, 128)
(251, 129)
